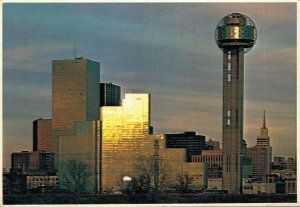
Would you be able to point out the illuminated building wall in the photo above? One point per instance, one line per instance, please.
(82, 147)
(75, 95)
(42, 135)
(126, 142)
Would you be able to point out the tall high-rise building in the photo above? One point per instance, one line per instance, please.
(42, 135)
(235, 35)
(75, 111)
(110, 94)
(189, 140)
(75, 94)
(261, 153)
(127, 147)
(263, 140)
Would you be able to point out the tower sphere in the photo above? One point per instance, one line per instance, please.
(236, 31)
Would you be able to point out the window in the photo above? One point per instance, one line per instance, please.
(229, 77)
(228, 122)
(228, 163)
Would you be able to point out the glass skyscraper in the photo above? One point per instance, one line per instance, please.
(75, 111)
(126, 145)
(110, 94)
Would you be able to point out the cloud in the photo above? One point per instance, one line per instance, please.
(30, 57)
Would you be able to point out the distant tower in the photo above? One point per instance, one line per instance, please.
(261, 154)
(263, 140)
(235, 35)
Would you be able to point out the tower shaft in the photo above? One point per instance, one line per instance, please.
(233, 96)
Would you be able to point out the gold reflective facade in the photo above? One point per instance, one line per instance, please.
(126, 142)
(123, 136)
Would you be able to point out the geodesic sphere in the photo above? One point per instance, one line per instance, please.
(236, 31)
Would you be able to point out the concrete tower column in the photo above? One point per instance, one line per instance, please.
(235, 35)
(233, 93)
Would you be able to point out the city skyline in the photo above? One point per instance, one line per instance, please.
(152, 48)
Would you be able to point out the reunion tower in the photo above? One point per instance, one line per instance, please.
(235, 35)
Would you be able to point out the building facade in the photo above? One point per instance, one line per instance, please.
(36, 161)
(110, 94)
(261, 154)
(214, 160)
(84, 148)
(128, 149)
(75, 95)
(42, 135)
(41, 181)
(189, 140)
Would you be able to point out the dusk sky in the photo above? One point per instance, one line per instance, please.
(167, 50)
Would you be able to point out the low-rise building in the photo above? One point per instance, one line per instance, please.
(36, 161)
(38, 181)
(290, 182)
(214, 159)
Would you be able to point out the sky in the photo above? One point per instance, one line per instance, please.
(165, 49)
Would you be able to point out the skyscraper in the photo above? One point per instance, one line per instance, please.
(127, 146)
(110, 94)
(263, 140)
(75, 95)
(261, 154)
(75, 111)
(235, 35)
(42, 135)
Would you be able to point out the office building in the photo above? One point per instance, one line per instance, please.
(84, 148)
(42, 135)
(110, 94)
(41, 181)
(235, 35)
(279, 163)
(75, 111)
(291, 164)
(127, 147)
(189, 140)
(290, 183)
(75, 94)
(261, 154)
(263, 140)
(214, 160)
(36, 161)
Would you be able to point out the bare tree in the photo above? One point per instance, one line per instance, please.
(77, 178)
(151, 175)
(184, 183)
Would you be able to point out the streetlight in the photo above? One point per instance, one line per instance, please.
(127, 180)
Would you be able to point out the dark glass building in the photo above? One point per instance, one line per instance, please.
(189, 140)
(110, 94)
